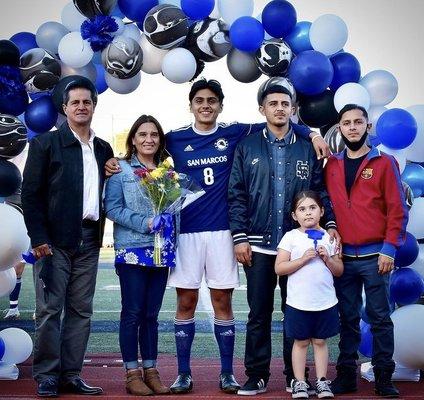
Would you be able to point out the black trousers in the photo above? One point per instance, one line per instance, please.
(261, 283)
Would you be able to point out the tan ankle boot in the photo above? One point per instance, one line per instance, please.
(152, 380)
(135, 385)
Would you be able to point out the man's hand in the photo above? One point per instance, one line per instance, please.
(42, 251)
(320, 146)
(112, 167)
(385, 264)
(243, 253)
(334, 234)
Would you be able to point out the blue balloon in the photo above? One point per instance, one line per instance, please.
(406, 286)
(298, 38)
(100, 83)
(365, 347)
(116, 12)
(2, 348)
(311, 72)
(346, 69)
(30, 134)
(197, 9)
(364, 315)
(279, 18)
(408, 252)
(413, 175)
(136, 10)
(14, 104)
(25, 41)
(247, 34)
(41, 115)
(396, 128)
(374, 140)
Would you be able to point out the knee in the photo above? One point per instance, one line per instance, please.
(186, 303)
(222, 302)
(318, 342)
(301, 344)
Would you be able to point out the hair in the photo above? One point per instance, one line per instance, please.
(276, 89)
(350, 107)
(80, 84)
(161, 154)
(306, 194)
(211, 84)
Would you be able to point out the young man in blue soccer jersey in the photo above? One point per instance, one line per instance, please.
(204, 150)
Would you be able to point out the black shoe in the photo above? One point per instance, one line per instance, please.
(253, 385)
(299, 389)
(47, 388)
(383, 384)
(323, 389)
(78, 386)
(345, 382)
(183, 384)
(228, 383)
(311, 388)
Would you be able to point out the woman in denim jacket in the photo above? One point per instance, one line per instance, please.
(142, 283)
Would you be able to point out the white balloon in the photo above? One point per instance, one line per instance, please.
(17, 345)
(408, 324)
(121, 26)
(398, 154)
(7, 281)
(415, 152)
(132, 31)
(72, 18)
(374, 114)
(328, 34)
(415, 223)
(179, 65)
(351, 93)
(123, 86)
(230, 10)
(215, 12)
(173, 2)
(381, 85)
(49, 35)
(14, 239)
(152, 56)
(418, 264)
(74, 50)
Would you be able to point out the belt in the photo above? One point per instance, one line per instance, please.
(89, 223)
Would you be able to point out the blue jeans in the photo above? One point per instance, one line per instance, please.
(360, 273)
(142, 291)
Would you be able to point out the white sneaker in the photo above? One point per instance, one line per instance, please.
(299, 389)
(12, 313)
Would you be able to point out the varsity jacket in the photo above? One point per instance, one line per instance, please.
(250, 191)
(373, 218)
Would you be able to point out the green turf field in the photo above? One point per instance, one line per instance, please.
(107, 308)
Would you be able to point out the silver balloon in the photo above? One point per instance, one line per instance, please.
(333, 138)
(49, 35)
(89, 71)
(242, 66)
(374, 114)
(381, 85)
(277, 81)
(123, 86)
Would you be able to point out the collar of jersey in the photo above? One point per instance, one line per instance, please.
(204, 133)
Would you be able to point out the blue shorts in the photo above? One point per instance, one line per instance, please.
(302, 325)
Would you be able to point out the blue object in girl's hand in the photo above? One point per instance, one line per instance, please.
(29, 258)
(315, 235)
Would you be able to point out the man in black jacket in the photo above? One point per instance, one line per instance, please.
(61, 198)
(269, 168)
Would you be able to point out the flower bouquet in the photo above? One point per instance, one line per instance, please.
(169, 192)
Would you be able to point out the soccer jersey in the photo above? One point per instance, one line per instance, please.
(207, 157)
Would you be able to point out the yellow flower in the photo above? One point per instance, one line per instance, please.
(176, 176)
(168, 163)
(158, 173)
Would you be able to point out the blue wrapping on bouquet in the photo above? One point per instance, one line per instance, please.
(163, 227)
(315, 235)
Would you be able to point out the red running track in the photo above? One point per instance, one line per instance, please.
(106, 371)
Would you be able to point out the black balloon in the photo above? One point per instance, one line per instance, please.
(10, 178)
(318, 111)
(13, 136)
(90, 8)
(9, 53)
(57, 93)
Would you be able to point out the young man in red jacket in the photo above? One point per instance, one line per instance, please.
(366, 192)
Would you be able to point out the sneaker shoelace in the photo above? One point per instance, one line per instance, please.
(323, 386)
(301, 386)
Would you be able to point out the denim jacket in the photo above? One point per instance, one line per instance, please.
(128, 206)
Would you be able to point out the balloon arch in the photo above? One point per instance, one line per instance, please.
(111, 42)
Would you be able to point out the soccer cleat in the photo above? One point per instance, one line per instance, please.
(299, 389)
(183, 384)
(228, 383)
(253, 386)
(12, 313)
(323, 389)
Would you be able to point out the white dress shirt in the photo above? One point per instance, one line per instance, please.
(90, 205)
